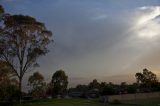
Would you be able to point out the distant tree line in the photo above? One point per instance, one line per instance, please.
(146, 82)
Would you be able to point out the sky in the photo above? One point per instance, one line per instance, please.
(109, 40)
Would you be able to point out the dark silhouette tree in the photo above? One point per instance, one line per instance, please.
(94, 84)
(102, 85)
(132, 88)
(1, 9)
(146, 79)
(36, 79)
(37, 83)
(59, 82)
(108, 90)
(123, 87)
(82, 88)
(22, 41)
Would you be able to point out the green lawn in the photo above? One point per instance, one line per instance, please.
(86, 102)
(63, 102)
(146, 102)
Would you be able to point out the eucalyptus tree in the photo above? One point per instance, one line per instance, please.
(146, 79)
(22, 41)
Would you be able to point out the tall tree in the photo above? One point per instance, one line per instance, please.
(22, 41)
(59, 82)
(146, 78)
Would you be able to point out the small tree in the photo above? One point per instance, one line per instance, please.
(36, 81)
(8, 84)
(82, 88)
(123, 87)
(132, 88)
(94, 84)
(59, 82)
(108, 90)
(22, 41)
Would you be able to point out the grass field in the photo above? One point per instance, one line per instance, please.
(63, 102)
(86, 102)
(145, 102)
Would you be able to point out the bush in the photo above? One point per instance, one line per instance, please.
(9, 93)
(6, 104)
(115, 102)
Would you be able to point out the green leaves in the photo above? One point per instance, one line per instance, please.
(8, 84)
(1, 9)
(146, 79)
(24, 40)
(22, 20)
(59, 82)
(36, 81)
(146, 76)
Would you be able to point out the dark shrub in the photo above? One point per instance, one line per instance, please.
(6, 104)
(115, 102)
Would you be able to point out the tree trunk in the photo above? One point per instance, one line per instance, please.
(20, 90)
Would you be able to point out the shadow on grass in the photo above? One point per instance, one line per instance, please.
(6, 103)
(117, 102)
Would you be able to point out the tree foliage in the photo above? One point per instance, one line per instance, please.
(36, 80)
(1, 9)
(94, 84)
(22, 41)
(8, 84)
(4, 71)
(146, 79)
(6, 75)
(82, 88)
(37, 84)
(59, 82)
(108, 90)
